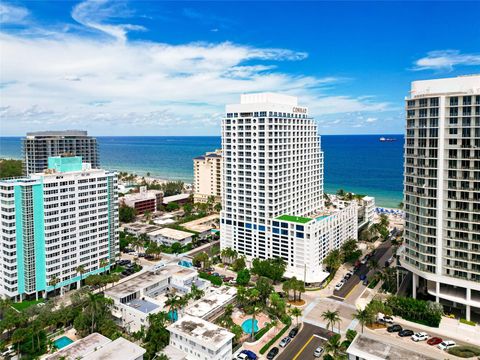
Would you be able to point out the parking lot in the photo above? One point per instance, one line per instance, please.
(304, 344)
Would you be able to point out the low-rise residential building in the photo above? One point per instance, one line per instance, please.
(139, 228)
(203, 226)
(207, 170)
(212, 304)
(143, 201)
(374, 347)
(199, 339)
(146, 293)
(53, 223)
(98, 347)
(168, 236)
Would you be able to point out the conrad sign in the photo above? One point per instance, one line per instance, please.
(299, 110)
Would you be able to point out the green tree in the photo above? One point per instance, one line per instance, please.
(80, 270)
(196, 293)
(364, 317)
(187, 208)
(53, 282)
(243, 277)
(10, 168)
(201, 260)
(332, 318)
(264, 288)
(172, 206)
(126, 214)
(172, 188)
(228, 255)
(296, 313)
(333, 260)
(270, 268)
(217, 207)
(334, 347)
(176, 248)
(157, 336)
(239, 264)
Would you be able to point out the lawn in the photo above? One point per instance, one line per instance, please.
(118, 269)
(20, 306)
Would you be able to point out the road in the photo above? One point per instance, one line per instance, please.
(383, 252)
(200, 249)
(305, 343)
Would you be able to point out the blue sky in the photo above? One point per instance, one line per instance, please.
(168, 68)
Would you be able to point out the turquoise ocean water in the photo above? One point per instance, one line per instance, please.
(357, 163)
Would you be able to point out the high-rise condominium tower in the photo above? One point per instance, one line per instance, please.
(273, 186)
(207, 171)
(39, 146)
(442, 190)
(55, 222)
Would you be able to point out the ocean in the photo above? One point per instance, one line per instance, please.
(356, 163)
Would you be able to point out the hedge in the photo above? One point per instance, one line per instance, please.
(272, 341)
(468, 322)
(373, 283)
(465, 351)
(419, 311)
(262, 331)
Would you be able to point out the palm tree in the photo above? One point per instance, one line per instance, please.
(103, 263)
(332, 318)
(333, 260)
(373, 265)
(334, 347)
(196, 293)
(173, 302)
(286, 287)
(54, 280)
(254, 301)
(364, 317)
(296, 312)
(80, 270)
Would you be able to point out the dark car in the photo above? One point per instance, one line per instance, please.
(347, 276)
(363, 277)
(272, 353)
(250, 354)
(405, 333)
(394, 328)
(365, 282)
(293, 332)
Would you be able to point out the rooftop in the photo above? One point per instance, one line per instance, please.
(220, 297)
(173, 234)
(455, 85)
(119, 349)
(297, 219)
(58, 133)
(203, 224)
(80, 348)
(143, 305)
(267, 97)
(375, 348)
(169, 199)
(201, 331)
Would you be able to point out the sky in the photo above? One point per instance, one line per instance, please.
(168, 68)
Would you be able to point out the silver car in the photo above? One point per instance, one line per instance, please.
(318, 352)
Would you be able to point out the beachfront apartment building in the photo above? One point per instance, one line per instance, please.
(442, 191)
(207, 171)
(272, 194)
(38, 146)
(52, 223)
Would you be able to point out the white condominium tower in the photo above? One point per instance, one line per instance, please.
(442, 191)
(273, 186)
(39, 146)
(53, 223)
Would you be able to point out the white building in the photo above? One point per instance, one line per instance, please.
(98, 347)
(134, 299)
(199, 340)
(52, 223)
(207, 171)
(273, 166)
(168, 236)
(442, 191)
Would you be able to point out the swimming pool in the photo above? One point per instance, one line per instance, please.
(62, 342)
(185, 263)
(247, 326)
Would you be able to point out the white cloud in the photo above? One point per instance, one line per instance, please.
(371, 120)
(11, 14)
(94, 14)
(446, 60)
(110, 85)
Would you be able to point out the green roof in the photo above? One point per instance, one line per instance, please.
(297, 219)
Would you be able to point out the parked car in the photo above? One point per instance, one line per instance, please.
(9, 351)
(419, 336)
(142, 255)
(434, 341)
(347, 276)
(363, 277)
(364, 260)
(285, 341)
(394, 328)
(388, 319)
(272, 353)
(318, 352)
(215, 274)
(247, 355)
(446, 344)
(227, 278)
(365, 282)
(293, 332)
(339, 285)
(405, 333)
